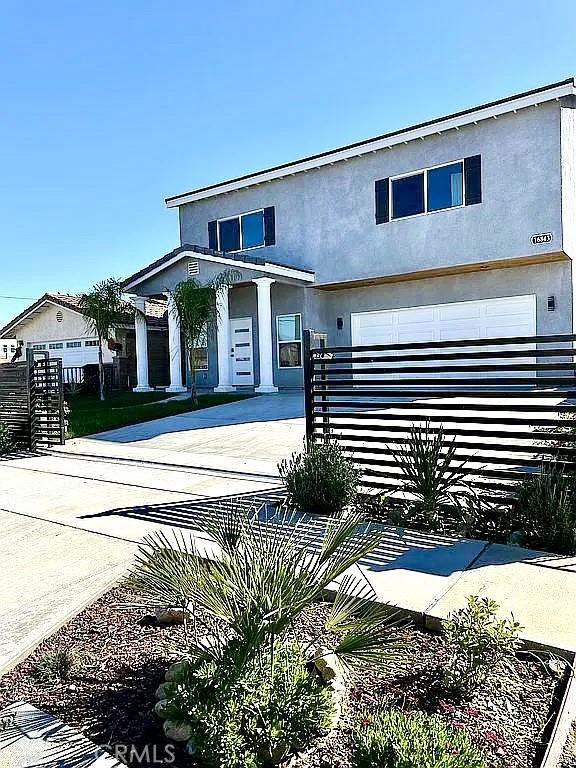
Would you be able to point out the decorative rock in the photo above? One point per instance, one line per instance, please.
(175, 670)
(164, 690)
(171, 615)
(327, 664)
(177, 731)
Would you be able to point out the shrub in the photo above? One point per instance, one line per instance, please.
(249, 719)
(6, 444)
(479, 643)
(321, 479)
(57, 666)
(394, 739)
(546, 510)
(272, 566)
(431, 473)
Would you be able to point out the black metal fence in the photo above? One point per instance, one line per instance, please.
(508, 402)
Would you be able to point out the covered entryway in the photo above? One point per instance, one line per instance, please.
(242, 357)
(483, 319)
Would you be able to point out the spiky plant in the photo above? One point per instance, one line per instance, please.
(546, 509)
(431, 471)
(267, 570)
(103, 310)
(196, 306)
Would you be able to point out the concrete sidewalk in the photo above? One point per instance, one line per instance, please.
(71, 520)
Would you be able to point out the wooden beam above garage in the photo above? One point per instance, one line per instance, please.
(455, 269)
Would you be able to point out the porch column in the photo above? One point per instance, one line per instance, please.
(263, 285)
(141, 347)
(223, 340)
(174, 347)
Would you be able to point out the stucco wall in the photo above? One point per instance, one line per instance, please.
(543, 280)
(325, 218)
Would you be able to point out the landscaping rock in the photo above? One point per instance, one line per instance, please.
(177, 731)
(175, 670)
(171, 615)
(328, 665)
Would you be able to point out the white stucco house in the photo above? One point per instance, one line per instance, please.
(460, 227)
(55, 326)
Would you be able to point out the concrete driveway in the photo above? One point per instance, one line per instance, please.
(71, 517)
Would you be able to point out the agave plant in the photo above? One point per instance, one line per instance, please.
(265, 570)
(431, 472)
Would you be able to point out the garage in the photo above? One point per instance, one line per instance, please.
(483, 319)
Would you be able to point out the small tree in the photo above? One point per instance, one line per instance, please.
(196, 306)
(102, 308)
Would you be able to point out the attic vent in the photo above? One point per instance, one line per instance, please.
(193, 268)
(59, 316)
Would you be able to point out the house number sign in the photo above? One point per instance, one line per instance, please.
(543, 237)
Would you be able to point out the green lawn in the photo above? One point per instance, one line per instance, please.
(88, 415)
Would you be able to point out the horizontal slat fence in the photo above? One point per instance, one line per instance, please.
(15, 401)
(506, 401)
(31, 401)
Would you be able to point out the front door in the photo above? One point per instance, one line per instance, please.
(242, 362)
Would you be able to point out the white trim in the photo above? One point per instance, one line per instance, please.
(402, 137)
(272, 269)
(424, 172)
(240, 216)
(291, 341)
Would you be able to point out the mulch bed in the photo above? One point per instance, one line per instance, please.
(123, 655)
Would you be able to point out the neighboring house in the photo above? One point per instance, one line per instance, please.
(7, 349)
(55, 326)
(461, 227)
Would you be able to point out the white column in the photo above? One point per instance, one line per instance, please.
(263, 285)
(174, 346)
(141, 347)
(223, 339)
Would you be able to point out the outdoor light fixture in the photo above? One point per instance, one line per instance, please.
(339, 323)
(551, 303)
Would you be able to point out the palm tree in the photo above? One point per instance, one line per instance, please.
(103, 310)
(196, 306)
(269, 568)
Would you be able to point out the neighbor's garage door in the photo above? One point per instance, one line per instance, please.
(489, 318)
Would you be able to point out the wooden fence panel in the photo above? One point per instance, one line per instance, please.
(15, 401)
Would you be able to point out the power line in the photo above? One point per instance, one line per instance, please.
(19, 298)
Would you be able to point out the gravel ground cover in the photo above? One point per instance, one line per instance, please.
(120, 656)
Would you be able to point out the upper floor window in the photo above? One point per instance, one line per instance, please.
(432, 189)
(253, 229)
(241, 232)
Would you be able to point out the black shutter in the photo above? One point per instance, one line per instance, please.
(381, 197)
(473, 179)
(213, 235)
(269, 226)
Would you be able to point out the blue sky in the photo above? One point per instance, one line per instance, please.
(108, 107)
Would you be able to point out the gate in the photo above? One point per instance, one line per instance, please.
(32, 402)
(508, 402)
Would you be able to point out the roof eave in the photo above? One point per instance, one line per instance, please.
(439, 125)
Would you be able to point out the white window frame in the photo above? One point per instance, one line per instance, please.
(425, 171)
(288, 341)
(239, 216)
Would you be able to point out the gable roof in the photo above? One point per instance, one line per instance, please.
(155, 311)
(209, 254)
(420, 130)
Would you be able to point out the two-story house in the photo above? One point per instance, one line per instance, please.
(460, 227)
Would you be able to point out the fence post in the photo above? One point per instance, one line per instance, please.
(308, 378)
(31, 398)
(325, 412)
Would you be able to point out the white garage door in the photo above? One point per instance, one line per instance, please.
(488, 318)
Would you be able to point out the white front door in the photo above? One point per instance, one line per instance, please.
(241, 358)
